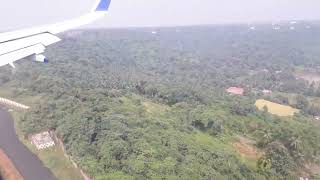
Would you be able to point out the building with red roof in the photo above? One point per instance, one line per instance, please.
(235, 90)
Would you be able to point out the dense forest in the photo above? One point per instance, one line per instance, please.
(131, 104)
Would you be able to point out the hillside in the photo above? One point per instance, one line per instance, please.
(129, 104)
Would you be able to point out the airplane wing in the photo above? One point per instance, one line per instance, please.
(32, 42)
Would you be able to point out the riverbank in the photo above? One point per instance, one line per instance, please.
(53, 158)
(27, 163)
(7, 169)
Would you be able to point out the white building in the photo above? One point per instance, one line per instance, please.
(42, 140)
(276, 27)
(266, 91)
(303, 178)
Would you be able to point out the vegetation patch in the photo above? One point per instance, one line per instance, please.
(275, 108)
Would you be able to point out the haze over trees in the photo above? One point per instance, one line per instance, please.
(129, 104)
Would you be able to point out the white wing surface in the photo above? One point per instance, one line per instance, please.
(32, 42)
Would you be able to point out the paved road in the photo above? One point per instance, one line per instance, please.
(29, 166)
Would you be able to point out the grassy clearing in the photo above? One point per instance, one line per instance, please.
(276, 109)
(8, 93)
(60, 166)
(204, 140)
(155, 109)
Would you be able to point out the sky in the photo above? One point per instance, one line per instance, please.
(17, 14)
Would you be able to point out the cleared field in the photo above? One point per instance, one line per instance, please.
(308, 76)
(276, 109)
(155, 109)
(246, 148)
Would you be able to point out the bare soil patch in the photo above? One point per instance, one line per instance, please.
(308, 76)
(7, 169)
(246, 148)
(312, 168)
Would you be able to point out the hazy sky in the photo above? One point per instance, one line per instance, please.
(25, 13)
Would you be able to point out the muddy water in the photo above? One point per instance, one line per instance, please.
(29, 166)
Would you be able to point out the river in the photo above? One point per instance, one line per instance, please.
(27, 163)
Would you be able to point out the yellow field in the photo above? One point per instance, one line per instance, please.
(276, 109)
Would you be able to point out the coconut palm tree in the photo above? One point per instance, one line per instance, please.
(295, 142)
(267, 136)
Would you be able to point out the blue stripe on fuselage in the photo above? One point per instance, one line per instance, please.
(103, 5)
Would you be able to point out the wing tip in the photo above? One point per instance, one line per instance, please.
(102, 5)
